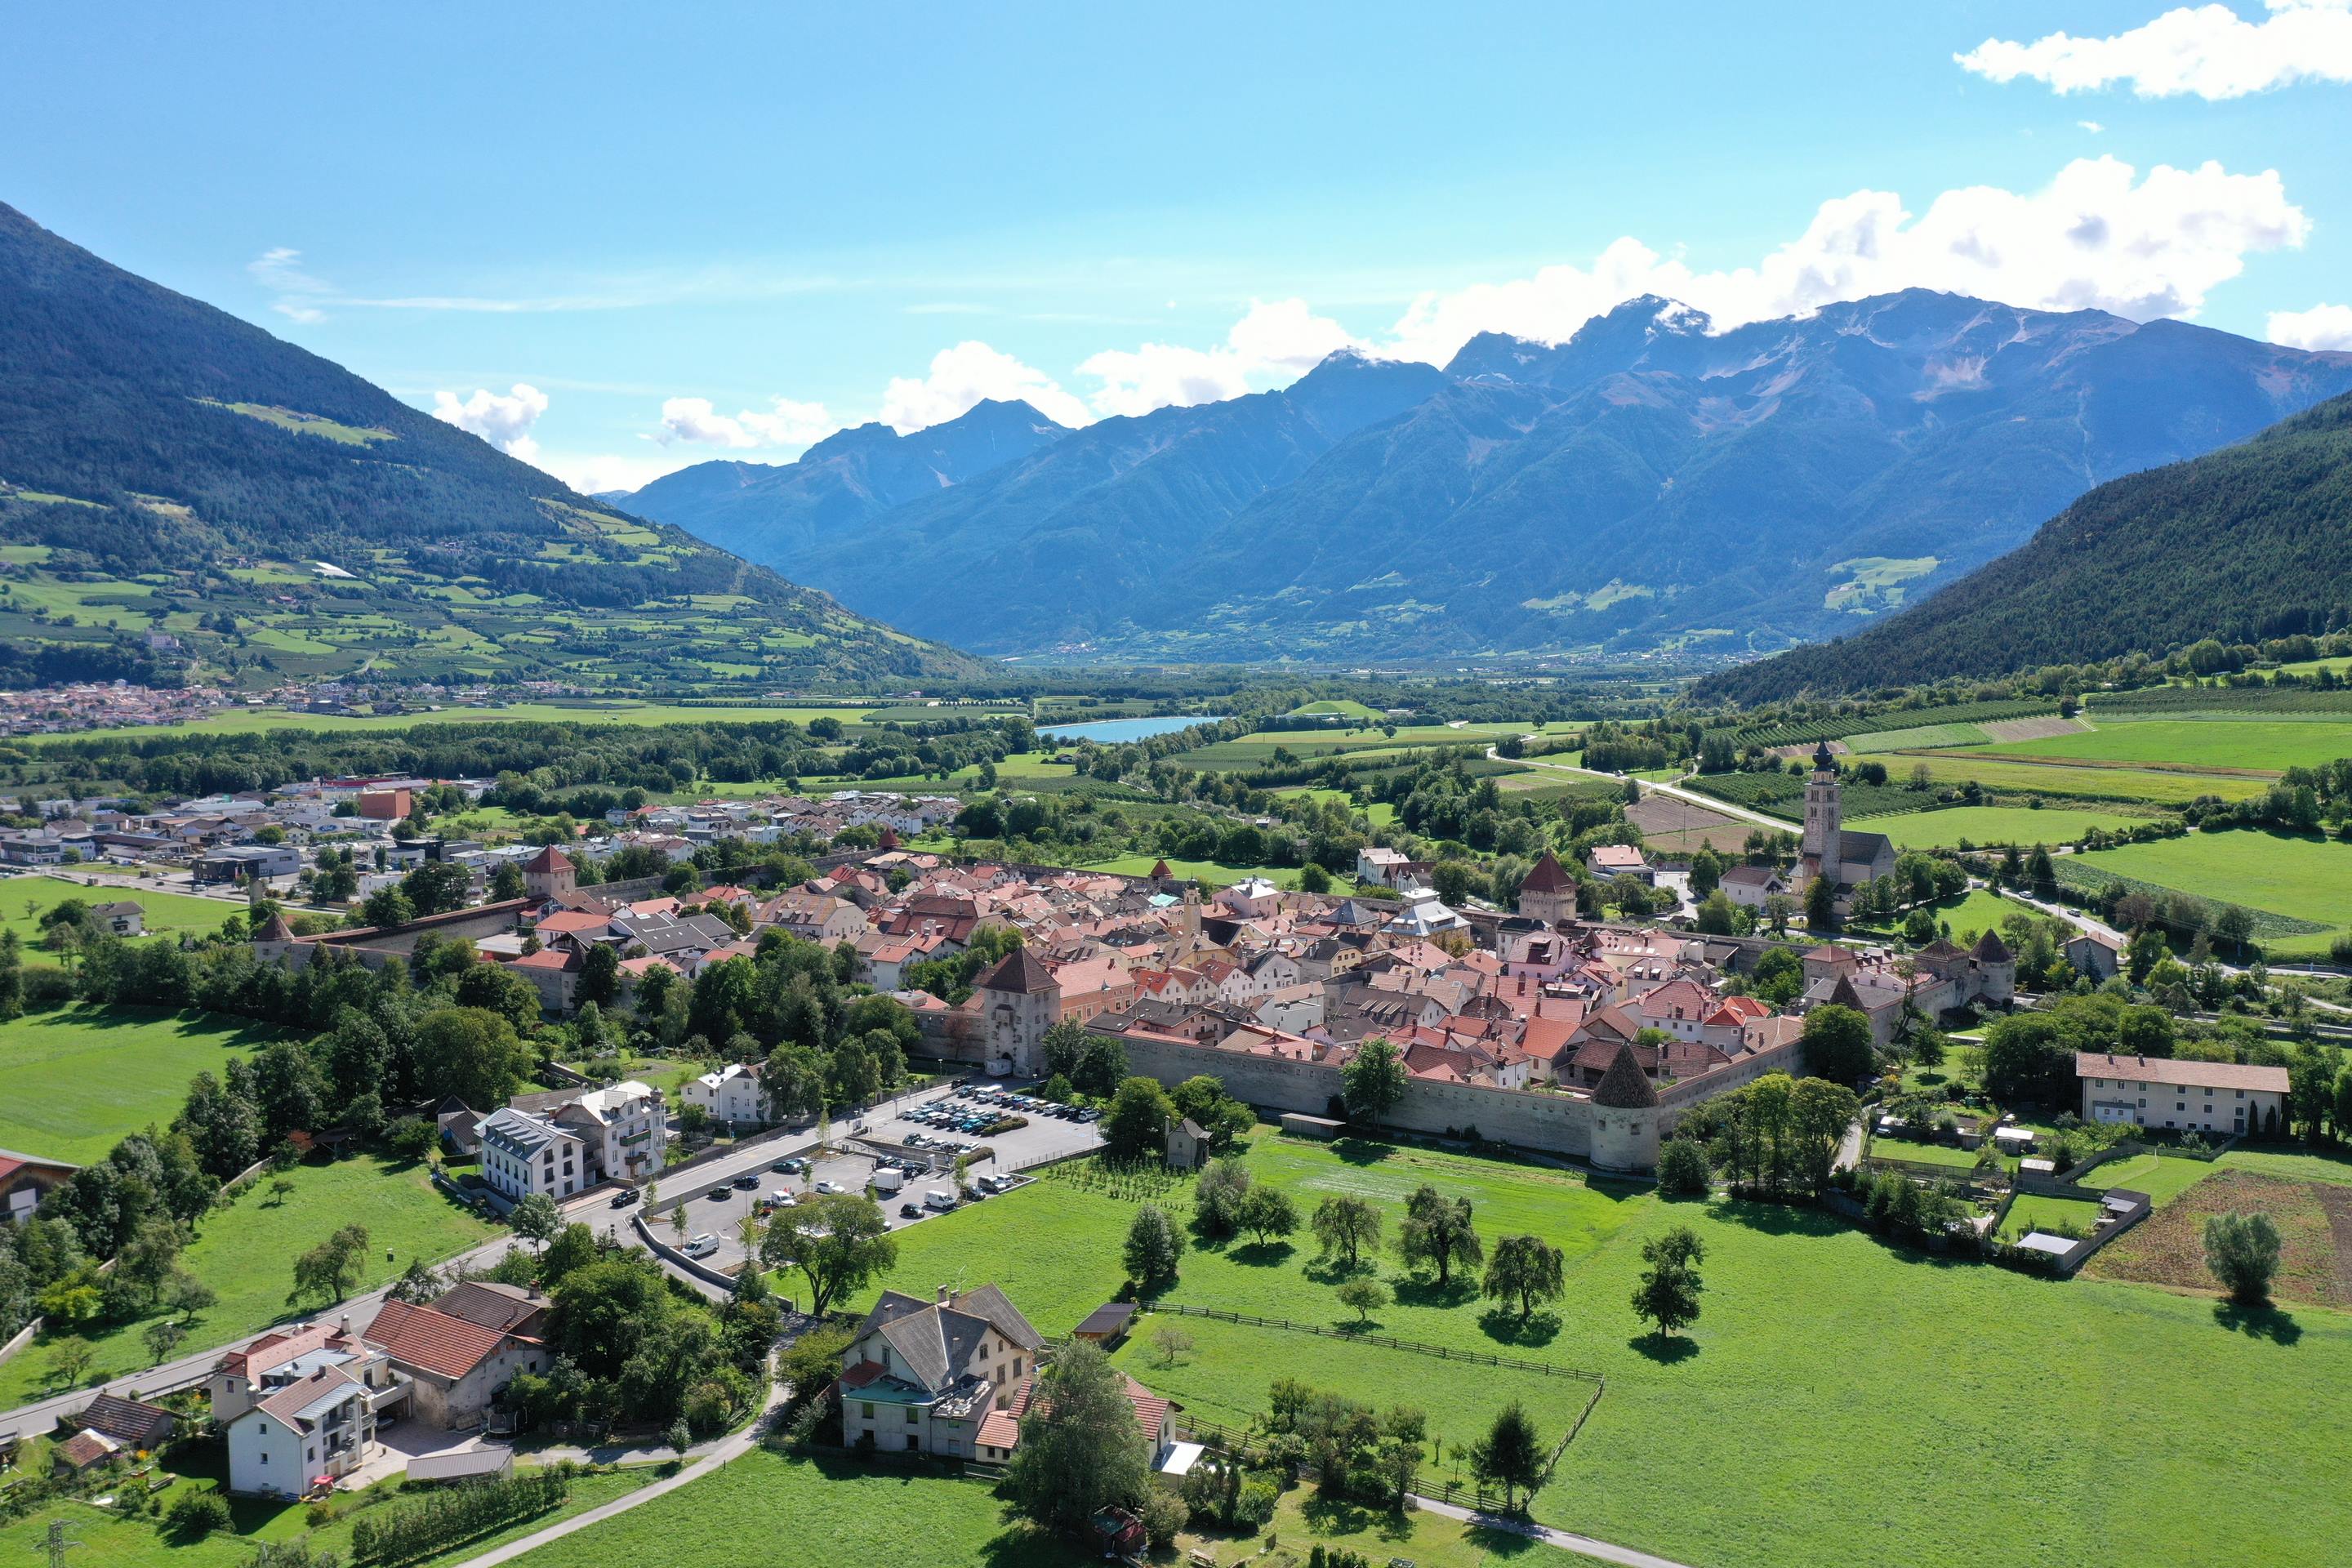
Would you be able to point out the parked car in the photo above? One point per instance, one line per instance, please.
(625, 1196)
(824, 1188)
(717, 1194)
(910, 1211)
(748, 1181)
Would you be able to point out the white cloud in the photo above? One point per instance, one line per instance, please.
(2093, 126)
(2209, 50)
(1274, 344)
(968, 374)
(589, 472)
(2097, 238)
(2321, 326)
(504, 422)
(785, 424)
(279, 270)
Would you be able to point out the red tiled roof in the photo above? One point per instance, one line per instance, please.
(550, 859)
(430, 1341)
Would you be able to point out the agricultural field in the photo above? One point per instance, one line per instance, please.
(1983, 825)
(2219, 743)
(2052, 1216)
(74, 1083)
(2161, 1178)
(1258, 749)
(2081, 781)
(2168, 1246)
(245, 1253)
(1341, 708)
(1781, 1383)
(583, 711)
(1920, 736)
(2306, 880)
(24, 900)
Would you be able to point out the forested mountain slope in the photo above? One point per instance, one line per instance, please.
(179, 487)
(2249, 542)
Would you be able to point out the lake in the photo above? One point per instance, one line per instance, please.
(1107, 732)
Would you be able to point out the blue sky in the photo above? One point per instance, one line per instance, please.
(718, 231)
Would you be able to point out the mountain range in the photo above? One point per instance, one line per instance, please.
(179, 488)
(2247, 543)
(1650, 483)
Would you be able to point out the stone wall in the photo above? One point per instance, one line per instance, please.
(1548, 1121)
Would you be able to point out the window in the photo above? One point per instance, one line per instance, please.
(265, 1458)
(865, 1408)
(913, 1414)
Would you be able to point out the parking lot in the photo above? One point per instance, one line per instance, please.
(926, 1135)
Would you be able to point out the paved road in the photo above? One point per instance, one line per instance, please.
(1565, 1540)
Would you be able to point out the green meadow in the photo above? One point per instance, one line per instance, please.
(2305, 879)
(2268, 745)
(75, 1083)
(1782, 1396)
(1983, 825)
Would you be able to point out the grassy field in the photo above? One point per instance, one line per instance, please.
(1424, 1540)
(1781, 1385)
(2084, 783)
(1209, 873)
(2269, 745)
(107, 1541)
(1983, 825)
(812, 1513)
(75, 1083)
(2302, 878)
(1919, 736)
(1969, 915)
(24, 900)
(245, 1253)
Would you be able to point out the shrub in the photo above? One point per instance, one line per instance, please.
(1164, 1514)
(1256, 1503)
(194, 1515)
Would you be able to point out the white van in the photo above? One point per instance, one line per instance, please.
(939, 1198)
(702, 1245)
(887, 1182)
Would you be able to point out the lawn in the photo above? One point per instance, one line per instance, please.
(107, 1540)
(245, 1253)
(1982, 824)
(2162, 1179)
(1778, 1395)
(79, 1081)
(2267, 745)
(24, 900)
(2306, 879)
(790, 1512)
(2052, 1216)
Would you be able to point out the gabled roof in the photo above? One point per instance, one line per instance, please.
(1624, 1086)
(548, 859)
(299, 1402)
(491, 1305)
(432, 1340)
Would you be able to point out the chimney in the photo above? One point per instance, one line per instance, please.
(946, 1296)
(343, 1324)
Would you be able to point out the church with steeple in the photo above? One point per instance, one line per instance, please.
(1845, 859)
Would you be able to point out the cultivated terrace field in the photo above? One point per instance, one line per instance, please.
(1782, 1397)
(75, 1083)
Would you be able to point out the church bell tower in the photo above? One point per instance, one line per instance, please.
(1824, 817)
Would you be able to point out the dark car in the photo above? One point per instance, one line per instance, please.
(910, 1211)
(748, 1181)
(717, 1194)
(625, 1197)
